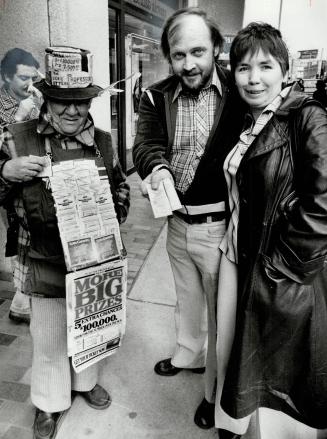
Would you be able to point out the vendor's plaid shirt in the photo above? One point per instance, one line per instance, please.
(191, 138)
(122, 191)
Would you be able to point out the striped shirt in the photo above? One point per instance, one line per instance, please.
(195, 117)
(229, 243)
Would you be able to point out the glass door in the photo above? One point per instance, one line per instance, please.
(136, 60)
(145, 62)
(113, 72)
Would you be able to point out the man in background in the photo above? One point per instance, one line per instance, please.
(19, 101)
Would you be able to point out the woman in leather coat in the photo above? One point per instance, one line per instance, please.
(272, 310)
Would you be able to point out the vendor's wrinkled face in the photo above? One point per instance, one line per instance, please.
(19, 84)
(68, 117)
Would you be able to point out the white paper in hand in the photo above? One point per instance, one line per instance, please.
(171, 193)
(47, 169)
(159, 201)
(163, 200)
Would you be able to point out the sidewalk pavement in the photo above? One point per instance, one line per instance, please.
(145, 405)
(148, 406)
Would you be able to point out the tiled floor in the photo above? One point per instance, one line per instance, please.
(16, 411)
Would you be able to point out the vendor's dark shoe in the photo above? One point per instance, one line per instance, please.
(205, 415)
(97, 398)
(19, 318)
(225, 434)
(45, 424)
(166, 369)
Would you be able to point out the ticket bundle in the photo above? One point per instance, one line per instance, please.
(87, 221)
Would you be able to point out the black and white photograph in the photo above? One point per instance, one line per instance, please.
(185, 141)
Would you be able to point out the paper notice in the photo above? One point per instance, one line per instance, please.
(87, 221)
(171, 193)
(96, 312)
(159, 201)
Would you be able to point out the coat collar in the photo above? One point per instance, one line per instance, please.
(293, 101)
(276, 136)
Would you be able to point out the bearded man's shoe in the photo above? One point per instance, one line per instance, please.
(166, 369)
(225, 434)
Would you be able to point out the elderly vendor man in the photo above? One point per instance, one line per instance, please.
(64, 131)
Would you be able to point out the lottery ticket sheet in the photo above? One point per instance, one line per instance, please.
(87, 221)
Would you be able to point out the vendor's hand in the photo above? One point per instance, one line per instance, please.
(22, 169)
(154, 179)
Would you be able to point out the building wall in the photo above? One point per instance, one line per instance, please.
(227, 13)
(265, 10)
(79, 23)
(35, 24)
(24, 24)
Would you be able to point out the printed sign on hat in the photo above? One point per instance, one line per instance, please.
(68, 67)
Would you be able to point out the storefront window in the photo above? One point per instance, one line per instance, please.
(135, 28)
(143, 60)
(113, 65)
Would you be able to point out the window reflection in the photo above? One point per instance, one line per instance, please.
(143, 57)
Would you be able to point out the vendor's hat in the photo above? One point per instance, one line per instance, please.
(68, 74)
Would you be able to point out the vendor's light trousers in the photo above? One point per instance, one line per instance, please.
(194, 256)
(53, 377)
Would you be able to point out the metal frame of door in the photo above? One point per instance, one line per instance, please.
(121, 8)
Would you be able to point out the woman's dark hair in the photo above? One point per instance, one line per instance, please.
(172, 23)
(257, 36)
(14, 57)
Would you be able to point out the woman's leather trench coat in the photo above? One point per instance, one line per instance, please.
(279, 355)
